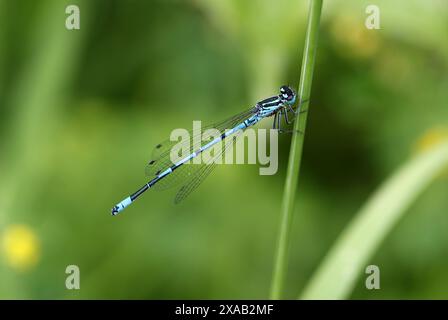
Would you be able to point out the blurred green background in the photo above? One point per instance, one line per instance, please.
(81, 110)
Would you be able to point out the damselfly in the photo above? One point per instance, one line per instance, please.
(164, 173)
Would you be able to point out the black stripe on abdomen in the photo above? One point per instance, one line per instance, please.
(139, 192)
(175, 166)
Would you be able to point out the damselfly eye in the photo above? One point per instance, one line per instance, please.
(286, 93)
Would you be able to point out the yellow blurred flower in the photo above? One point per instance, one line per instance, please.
(353, 38)
(21, 247)
(431, 138)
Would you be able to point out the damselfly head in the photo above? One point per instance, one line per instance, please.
(287, 95)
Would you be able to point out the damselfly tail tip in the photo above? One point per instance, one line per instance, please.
(120, 207)
(114, 211)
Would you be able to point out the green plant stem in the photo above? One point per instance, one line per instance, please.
(337, 274)
(295, 155)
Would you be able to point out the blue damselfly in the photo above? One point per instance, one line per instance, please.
(164, 173)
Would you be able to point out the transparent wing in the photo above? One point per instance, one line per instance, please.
(180, 175)
(205, 169)
(161, 158)
(198, 178)
(165, 146)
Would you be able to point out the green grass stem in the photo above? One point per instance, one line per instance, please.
(295, 155)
